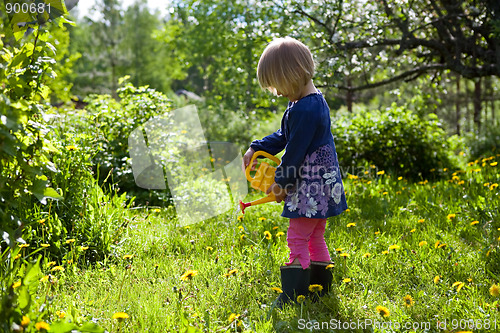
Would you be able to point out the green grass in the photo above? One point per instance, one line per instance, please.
(386, 212)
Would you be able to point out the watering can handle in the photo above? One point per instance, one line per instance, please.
(257, 154)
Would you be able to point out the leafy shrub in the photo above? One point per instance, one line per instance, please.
(396, 140)
(484, 144)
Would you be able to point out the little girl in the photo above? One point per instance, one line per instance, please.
(308, 178)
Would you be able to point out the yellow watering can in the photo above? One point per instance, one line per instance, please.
(262, 180)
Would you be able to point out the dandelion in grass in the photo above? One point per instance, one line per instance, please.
(231, 272)
(493, 186)
(280, 233)
(394, 247)
(267, 234)
(17, 256)
(61, 314)
(188, 275)
(84, 248)
(242, 237)
(45, 278)
(57, 269)
(42, 221)
(120, 316)
(315, 288)
(408, 301)
(23, 245)
(380, 173)
(442, 245)
(209, 248)
(339, 249)
(69, 241)
(494, 163)
(436, 279)
(495, 290)
(51, 263)
(367, 255)
(301, 299)
(329, 266)
(262, 219)
(233, 317)
(459, 285)
(474, 222)
(45, 245)
(241, 228)
(240, 218)
(383, 311)
(275, 227)
(451, 216)
(413, 230)
(437, 244)
(346, 280)
(422, 243)
(71, 148)
(385, 252)
(276, 289)
(351, 225)
(347, 210)
(25, 321)
(377, 232)
(421, 221)
(41, 325)
(344, 255)
(128, 256)
(16, 284)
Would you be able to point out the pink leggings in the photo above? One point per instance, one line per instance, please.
(306, 241)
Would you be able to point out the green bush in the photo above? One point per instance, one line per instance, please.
(395, 140)
(484, 144)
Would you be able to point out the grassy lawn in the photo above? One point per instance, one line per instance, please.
(428, 253)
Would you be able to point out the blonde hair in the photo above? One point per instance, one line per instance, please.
(286, 65)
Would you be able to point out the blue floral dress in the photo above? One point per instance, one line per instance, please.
(309, 168)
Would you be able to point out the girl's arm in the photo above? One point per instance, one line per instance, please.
(302, 126)
(272, 144)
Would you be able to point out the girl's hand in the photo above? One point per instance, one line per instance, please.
(246, 159)
(278, 192)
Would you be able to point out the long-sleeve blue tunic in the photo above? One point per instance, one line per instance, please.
(309, 168)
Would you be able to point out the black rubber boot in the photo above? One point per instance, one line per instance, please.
(294, 282)
(321, 275)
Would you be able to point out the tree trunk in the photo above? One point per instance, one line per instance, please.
(477, 105)
(457, 106)
(348, 96)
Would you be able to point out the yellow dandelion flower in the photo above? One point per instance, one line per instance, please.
(344, 255)
(57, 269)
(381, 172)
(436, 279)
(267, 234)
(45, 278)
(51, 263)
(339, 249)
(44, 245)
(280, 233)
(495, 290)
(42, 221)
(459, 285)
(128, 256)
(474, 222)
(347, 210)
(120, 316)
(394, 247)
(231, 272)
(23, 245)
(445, 169)
(493, 186)
(314, 288)
(413, 230)
(69, 241)
(451, 216)
(275, 227)
(433, 170)
(262, 218)
(25, 321)
(383, 311)
(398, 192)
(421, 220)
(301, 298)
(408, 301)
(241, 228)
(346, 280)
(486, 184)
(422, 243)
(494, 163)
(400, 178)
(437, 244)
(377, 232)
(240, 218)
(71, 148)
(84, 248)
(367, 255)
(42, 326)
(442, 245)
(233, 317)
(369, 182)
(61, 314)
(351, 224)
(385, 252)
(209, 248)
(329, 266)
(16, 284)
(276, 289)
(188, 275)
(17, 256)
(242, 237)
